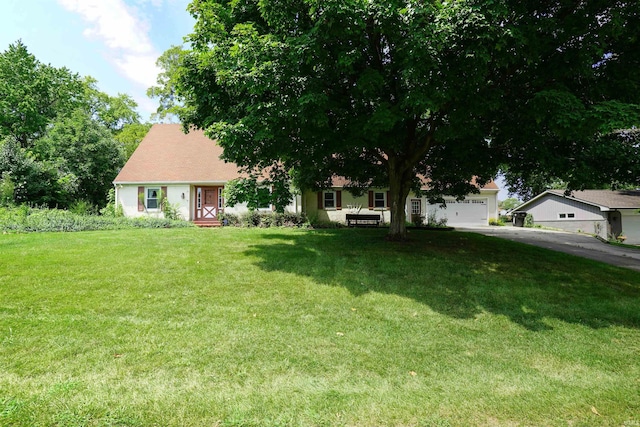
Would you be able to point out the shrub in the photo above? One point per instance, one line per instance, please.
(229, 219)
(250, 219)
(433, 221)
(27, 219)
(7, 188)
(497, 222)
(528, 221)
(112, 209)
(266, 219)
(170, 211)
(82, 207)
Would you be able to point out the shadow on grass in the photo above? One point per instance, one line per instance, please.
(462, 275)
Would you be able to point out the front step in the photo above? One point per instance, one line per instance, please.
(208, 223)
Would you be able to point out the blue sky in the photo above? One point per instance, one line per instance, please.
(115, 41)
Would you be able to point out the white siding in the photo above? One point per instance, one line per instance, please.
(180, 195)
(127, 197)
(547, 211)
(549, 208)
(295, 206)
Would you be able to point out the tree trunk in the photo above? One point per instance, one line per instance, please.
(399, 188)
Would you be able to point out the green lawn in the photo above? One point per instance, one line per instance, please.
(244, 327)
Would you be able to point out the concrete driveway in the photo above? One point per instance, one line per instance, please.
(572, 243)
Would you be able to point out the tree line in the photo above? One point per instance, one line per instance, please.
(62, 140)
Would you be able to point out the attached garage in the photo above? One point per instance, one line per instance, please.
(471, 211)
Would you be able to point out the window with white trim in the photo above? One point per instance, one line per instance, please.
(566, 215)
(329, 199)
(153, 194)
(416, 206)
(379, 200)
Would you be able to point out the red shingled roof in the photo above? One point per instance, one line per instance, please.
(169, 155)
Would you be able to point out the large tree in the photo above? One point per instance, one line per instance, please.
(86, 149)
(61, 139)
(33, 94)
(403, 93)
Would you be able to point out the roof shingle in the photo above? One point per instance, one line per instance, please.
(621, 199)
(168, 155)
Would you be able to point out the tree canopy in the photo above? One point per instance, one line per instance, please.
(61, 139)
(409, 94)
(33, 94)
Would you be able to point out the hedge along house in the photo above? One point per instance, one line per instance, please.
(184, 168)
(335, 203)
(188, 171)
(604, 213)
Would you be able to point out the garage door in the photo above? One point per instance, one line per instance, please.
(465, 212)
(631, 228)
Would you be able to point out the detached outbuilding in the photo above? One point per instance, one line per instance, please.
(605, 213)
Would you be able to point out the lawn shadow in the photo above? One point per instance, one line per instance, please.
(461, 275)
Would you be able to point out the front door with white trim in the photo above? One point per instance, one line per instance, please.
(209, 202)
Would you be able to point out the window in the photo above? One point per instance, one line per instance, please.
(379, 201)
(566, 215)
(329, 200)
(220, 198)
(416, 207)
(152, 198)
(264, 198)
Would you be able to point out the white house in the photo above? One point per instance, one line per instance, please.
(188, 171)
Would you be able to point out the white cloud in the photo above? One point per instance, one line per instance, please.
(140, 68)
(123, 32)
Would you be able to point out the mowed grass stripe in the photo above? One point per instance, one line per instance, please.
(229, 327)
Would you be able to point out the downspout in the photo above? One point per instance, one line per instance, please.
(115, 199)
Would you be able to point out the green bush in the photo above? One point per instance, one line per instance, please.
(82, 207)
(7, 188)
(112, 209)
(497, 222)
(26, 219)
(231, 219)
(528, 220)
(266, 219)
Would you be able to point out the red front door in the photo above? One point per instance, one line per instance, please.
(209, 202)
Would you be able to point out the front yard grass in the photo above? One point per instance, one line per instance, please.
(252, 327)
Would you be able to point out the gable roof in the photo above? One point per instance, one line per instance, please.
(621, 199)
(604, 199)
(168, 155)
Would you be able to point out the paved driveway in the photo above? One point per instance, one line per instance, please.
(571, 243)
